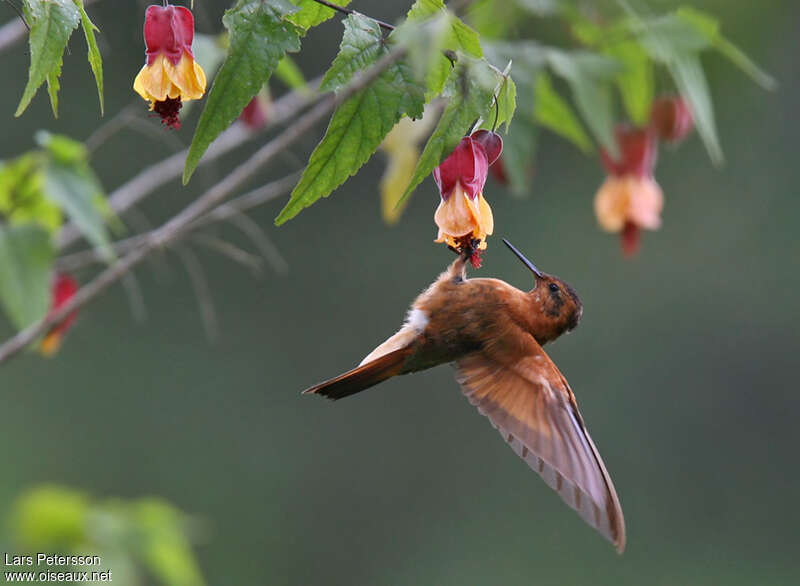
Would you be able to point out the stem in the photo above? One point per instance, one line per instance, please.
(343, 10)
(225, 211)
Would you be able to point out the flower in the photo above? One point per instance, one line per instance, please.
(170, 75)
(402, 149)
(630, 199)
(671, 118)
(254, 115)
(63, 289)
(464, 217)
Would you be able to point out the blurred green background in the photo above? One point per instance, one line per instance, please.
(684, 364)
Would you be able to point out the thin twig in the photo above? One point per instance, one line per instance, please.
(265, 246)
(226, 211)
(202, 290)
(343, 10)
(175, 227)
(229, 250)
(151, 178)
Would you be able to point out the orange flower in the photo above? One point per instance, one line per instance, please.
(630, 199)
(170, 75)
(63, 289)
(464, 217)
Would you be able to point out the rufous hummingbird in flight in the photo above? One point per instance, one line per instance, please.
(494, 333)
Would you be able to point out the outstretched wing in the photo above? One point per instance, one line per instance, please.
(532, 406)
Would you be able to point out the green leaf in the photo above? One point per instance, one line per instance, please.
(70, 183)
(554, 113)
(471, 88)
(53, 86)
(676, 41)
(260, 36)
(359, 125)
(22, 198)
(50, 514)
(668, 37)
(506, 101)
(289, 73)
(51, 24)
(519, 148)
(588, 76)
(26, 260)
(430, 33)
(76, 192)
(95, 59)
(312, 13)
(361, 45)
(692, 85)
(636, 84)
(709, 27)
(165, 547)
(424, 9)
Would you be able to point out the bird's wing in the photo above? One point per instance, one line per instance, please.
(533, 408)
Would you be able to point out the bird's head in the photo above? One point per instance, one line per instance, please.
(556, 306)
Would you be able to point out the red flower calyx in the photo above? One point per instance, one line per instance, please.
(671, 118)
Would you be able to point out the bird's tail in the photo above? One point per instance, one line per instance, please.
(364, 376)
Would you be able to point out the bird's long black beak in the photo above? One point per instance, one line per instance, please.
(524, 260)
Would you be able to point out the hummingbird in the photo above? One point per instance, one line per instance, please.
(493, 334)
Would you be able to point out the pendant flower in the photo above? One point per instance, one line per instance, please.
(464, 217)
(671, 118)
(63, 289)
(630, 199)
(254, 115)
(170, 75)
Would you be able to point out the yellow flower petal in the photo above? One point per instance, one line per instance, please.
(611, 204)
(161, 80)
(187, 76)
(50, 343)
(486, 218)
(454, 216)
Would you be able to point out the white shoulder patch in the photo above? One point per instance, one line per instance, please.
(417, 319)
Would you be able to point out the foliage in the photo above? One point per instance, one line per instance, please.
(489, 68)
(133, 538)
(51, 24)
(260, 36)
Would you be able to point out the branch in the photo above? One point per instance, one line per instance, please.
(175, 227)
(151, 178)
(343, 10)
(225, 211)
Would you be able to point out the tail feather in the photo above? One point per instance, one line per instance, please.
(363, 377)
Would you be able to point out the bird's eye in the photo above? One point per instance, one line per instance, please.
(553, 287)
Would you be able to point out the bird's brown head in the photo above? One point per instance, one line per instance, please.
(555, 306)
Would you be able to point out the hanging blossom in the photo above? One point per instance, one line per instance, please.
(170, 75)
(630, 199)
(464, 217)
(62, 290)
(255, 114)
(671, 118)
